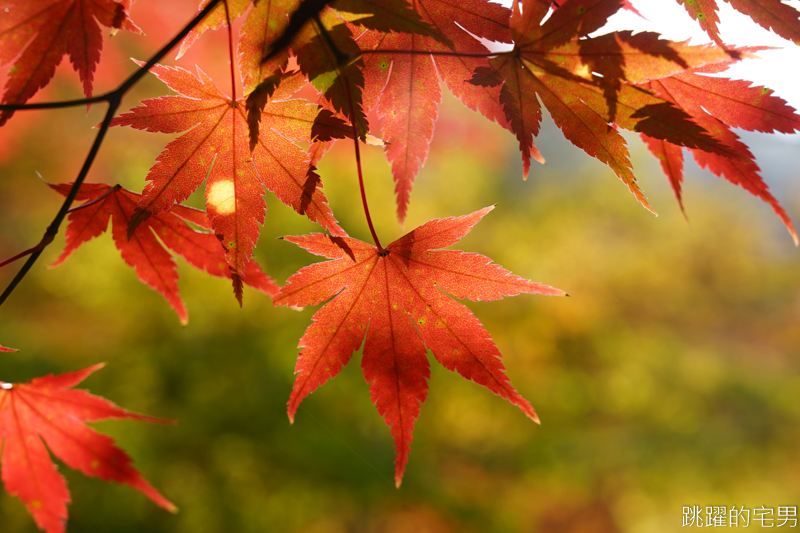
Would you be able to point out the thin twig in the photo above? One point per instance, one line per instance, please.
(55, 105)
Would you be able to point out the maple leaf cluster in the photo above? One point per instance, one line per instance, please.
(389, 57)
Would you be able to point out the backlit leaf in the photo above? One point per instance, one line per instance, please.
(217, 149)
(147, 254)
(398, 298)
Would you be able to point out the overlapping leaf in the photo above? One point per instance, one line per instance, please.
(398, 298)
(402, 79)
(217, 148)
(330, 57)
(326, 51)
(36, 34)
(719, 104)
(409, 103)
(585, 83)
(266, 21)
(145, 250)
(47, 410)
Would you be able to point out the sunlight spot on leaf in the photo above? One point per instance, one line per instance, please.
(221, 196)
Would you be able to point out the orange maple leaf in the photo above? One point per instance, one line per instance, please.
(217, 149)
(585, 83)
(144, 252)
(396, 298)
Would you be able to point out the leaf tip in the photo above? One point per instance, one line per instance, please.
(237, 287)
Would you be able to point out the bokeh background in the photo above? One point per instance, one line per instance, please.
(669, 378)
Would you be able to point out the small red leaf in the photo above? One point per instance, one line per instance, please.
(694, 94)
(143, 251)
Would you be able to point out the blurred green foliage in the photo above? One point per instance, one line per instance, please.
(670, 377)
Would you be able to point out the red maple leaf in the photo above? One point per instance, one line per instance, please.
(143, 251)
(403, 80)
(329, 56)
(37, 33)
(217, 148)
(396, 297)
(719, 104)
(49, 409)
(585, 83)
